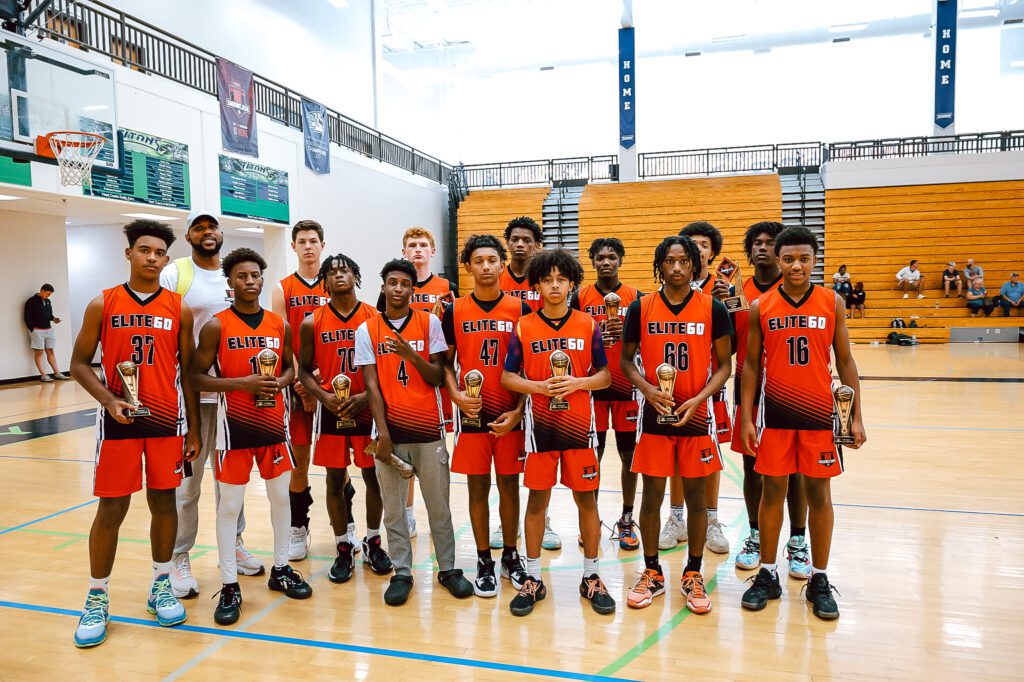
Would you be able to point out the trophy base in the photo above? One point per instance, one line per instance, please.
(138, 412)
(735, 304)
(266, 402)
(558, 406)
(345, 424)
(847, 439)
(471, 421)
(668, 418)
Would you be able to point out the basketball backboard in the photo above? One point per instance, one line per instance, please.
(43, 90)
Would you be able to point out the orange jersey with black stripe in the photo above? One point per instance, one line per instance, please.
(590, 300)
(536, 338)
(412, 406)
(706, 287)
(146, 333)
(520, 288)
(300, 300)
(240, 424)
(682, 336)
(481, 331)
(740, 321)
(425, 293)
(334, 353)
(796, 385)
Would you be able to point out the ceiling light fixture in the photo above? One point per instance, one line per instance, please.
(728, 39)
(978, 13)
(847, 28)
(258, 230)
(149, 216)
(9, 197)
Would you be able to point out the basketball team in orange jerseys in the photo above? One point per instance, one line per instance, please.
(538, 367)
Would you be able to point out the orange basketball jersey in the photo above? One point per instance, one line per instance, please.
(520, 288)
(334, 353)
(681, 336)
(426, 293)
(412, 406)
(146, 333)
(590, 299)
(536, 338)
(705, 287)
(796, 385)
(481, 332)
(240, 424)
(740, 321)
(300, 299)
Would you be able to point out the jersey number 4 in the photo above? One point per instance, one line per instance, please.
(142, 349)
(403, 375)
(799, 353)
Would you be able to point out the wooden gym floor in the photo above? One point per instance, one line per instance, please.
(928, 557)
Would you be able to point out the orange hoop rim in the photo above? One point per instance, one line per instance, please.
(95, 139)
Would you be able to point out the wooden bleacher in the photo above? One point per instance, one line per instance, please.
(488, 211)
(876, 231)
(641, 214)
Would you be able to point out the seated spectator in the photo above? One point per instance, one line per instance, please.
(1011, 295)
(841, 281)
(972, 271)
(855, 301)
(978, 301)
(951, 278)
(910, 279)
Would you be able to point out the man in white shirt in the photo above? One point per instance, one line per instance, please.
(205, 289)
(910, 279)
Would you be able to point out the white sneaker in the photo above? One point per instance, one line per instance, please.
(410, 522)
(246, 562)
(92, 626)
(298, 543)
(183, 585)
(920, 295)
(353, 538)
(716, 540)
(498, 537)
(906, 295)
(60, 376)
(551, 539)
(164, 605)
(672, 533)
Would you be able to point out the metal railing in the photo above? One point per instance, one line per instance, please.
(540, 172)
(971, 143)
(96, 27)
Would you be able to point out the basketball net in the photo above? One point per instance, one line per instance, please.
(75, 152)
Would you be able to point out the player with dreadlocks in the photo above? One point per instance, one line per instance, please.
(678, 331)
(341, 428)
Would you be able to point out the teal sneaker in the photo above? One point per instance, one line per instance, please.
(163, 604)
(92, 626)
(749, 557)
(799, 556)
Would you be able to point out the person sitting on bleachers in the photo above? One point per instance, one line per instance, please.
(951, 278)
(855, 300)
(972, 271)
(978, 300)
(1011, 295)
(841, 282)
(910, 279)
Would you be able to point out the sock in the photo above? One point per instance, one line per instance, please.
(228, 509)
(652, 563)
(816, 571)
(678, 513)
(771, 568)
(338, 539)
(753, 525)
(712, 514)
(794, 531)
(372, 533)
(277, 493)
(99, 583)
(693, 563)
(508, 552)
(533, 568)
(161, 568)
(627, 511)
(483, 555)
(589, 567)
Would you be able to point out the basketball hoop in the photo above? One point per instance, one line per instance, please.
(75, 152)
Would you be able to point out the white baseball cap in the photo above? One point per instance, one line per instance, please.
(201, 213)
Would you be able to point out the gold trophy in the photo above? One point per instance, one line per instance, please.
(405, 469)
(843, 396)
(666, 374)
(559, 362)
(474, 384)
(611, 307)
(266, 361)
(730, 272)
(342, 386)
(128, 372)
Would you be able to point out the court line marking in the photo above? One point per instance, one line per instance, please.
(47, 517)
(323, 644)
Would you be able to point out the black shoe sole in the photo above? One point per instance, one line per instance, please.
(338, 580)
(522, 612)
(374, 569)
(603, 610)
(825, 616)
(230, 619)
(302, 593)
(762, 604)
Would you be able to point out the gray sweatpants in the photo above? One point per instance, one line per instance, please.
(187, 495)
(431, 463)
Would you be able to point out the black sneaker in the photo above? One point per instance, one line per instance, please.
(229, 608)
(485, 584)
(513, 568)
(531, 593)
(341, 569)
(594, 591)
(455, 582)
(375, 557)
(398, 591)
(289, 581)
(765, 586)
(819, 594)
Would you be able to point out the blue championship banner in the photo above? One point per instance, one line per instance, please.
(315, 138)
(945, 63)
(627, 112)
(237, 108)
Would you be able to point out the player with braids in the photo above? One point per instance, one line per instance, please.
(661, 252)
(335, 262)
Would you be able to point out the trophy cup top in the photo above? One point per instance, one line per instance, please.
(127, 368)
(474, 377)
(612, 299)
(559, 359)
(666, 371)
(267, 358)
(843, 394)
(341, 382)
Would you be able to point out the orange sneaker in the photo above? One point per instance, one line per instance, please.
(649, 585)
(697, 599)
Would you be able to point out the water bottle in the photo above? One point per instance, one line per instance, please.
(913, 337)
